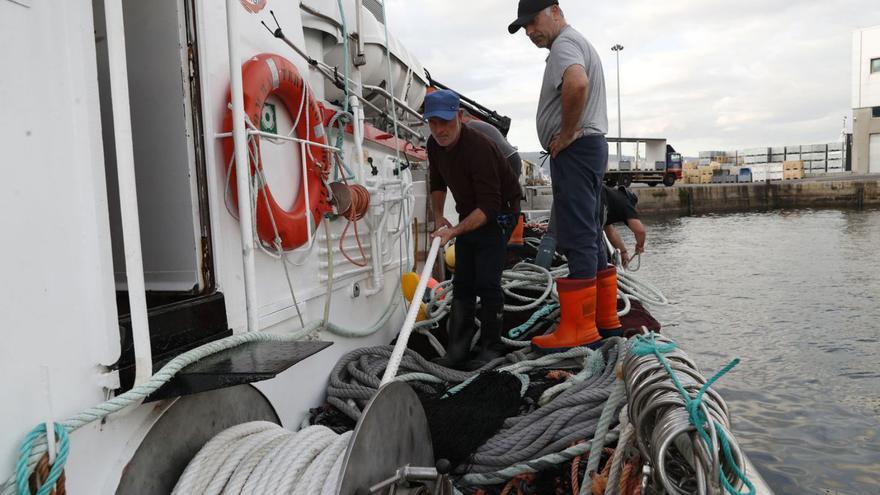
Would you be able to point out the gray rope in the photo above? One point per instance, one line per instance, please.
(532, 466)
(356, 377)
(617, 396)
(573, 415)
(623, 445)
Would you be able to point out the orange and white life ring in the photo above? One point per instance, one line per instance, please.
(268, 75)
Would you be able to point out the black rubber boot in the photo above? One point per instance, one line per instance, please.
(461, 330)
(489, 347)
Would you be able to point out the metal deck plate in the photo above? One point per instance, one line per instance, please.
(248, 363)
(392, 433)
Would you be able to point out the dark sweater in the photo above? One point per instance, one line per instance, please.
(617, 207)
(476, 173)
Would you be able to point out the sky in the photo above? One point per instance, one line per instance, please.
(705, 74)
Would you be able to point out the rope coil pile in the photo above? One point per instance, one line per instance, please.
(571, 416)
(682, 425)
(262, 457)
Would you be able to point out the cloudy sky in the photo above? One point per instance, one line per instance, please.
(705, 74)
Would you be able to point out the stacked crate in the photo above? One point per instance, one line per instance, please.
(690, 173)
(793, 170)
(755, 155)
(767, 171)
(815, 158)
(835, 158)
(777, 155)
(768, 163)
(720, 157)
(707, 171)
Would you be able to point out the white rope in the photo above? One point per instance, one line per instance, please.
(262, 457)
(640, 289)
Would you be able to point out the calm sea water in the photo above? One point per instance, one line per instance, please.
(796, 295)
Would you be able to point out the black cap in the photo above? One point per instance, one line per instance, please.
(527, 10)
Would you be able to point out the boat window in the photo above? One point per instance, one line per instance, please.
(875, 112)
(875, 65)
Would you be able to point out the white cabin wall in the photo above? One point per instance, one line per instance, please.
(57, 302)
(214, 80)
(274, 300)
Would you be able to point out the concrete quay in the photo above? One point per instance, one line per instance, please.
(825, 192)
(839, 191)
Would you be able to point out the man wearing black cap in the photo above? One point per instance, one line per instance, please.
(572, 122)
(487, 197)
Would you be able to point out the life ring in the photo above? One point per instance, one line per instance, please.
(268, 75)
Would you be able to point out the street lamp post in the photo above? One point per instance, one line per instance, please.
(617, 49)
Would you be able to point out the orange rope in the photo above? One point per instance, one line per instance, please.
(515, 482)
(558, 375)
(630, 477)
(41, 474)
(360, 203)
(508, 487)
(600, 480)
(575, 480)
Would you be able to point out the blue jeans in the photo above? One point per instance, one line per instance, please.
(577, 175)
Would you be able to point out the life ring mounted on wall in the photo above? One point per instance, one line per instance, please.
(268, 75)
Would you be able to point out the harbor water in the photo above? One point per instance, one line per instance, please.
(796, 295)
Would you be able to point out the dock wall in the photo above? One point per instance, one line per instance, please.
(686, 200)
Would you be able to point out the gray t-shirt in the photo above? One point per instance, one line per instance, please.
(494, 135)
(570, 48)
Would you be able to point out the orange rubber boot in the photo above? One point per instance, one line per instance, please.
(516, 237)
(577, 325)
(606, 305)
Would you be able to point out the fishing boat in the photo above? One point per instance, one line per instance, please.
(211, 210)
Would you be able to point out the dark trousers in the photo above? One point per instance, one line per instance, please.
(479, 261)
(577, 175)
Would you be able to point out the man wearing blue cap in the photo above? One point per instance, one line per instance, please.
(487, 197)
(572, 122)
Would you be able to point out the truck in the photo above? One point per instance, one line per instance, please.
(661, 163)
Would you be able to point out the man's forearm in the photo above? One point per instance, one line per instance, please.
(639, 232)
(615, 239)
(640, 241)
(472, 222)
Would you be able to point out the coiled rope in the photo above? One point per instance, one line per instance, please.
(640, 289)
(262, 457)
(356, 377)
(360, 203)
(578, 413)
(681, 423)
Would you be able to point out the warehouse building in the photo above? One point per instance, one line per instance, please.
(866, 101)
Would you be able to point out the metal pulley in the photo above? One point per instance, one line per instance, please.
(391, 452)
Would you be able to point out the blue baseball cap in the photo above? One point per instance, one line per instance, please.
(443, 104)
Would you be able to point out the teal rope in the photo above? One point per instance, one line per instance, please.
(646, 345)
(517, 332)
(340, 119)
(21, 468)
(523, 378)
